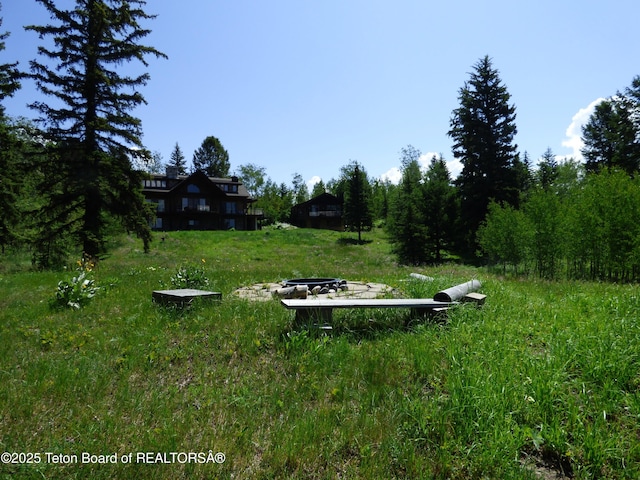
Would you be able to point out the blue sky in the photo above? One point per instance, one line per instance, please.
(305, 86)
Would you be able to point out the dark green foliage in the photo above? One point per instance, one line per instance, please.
(276, 202)
(423, 211)
(9, 182)
(611, 137)
(9, 185)
(406, 223)
(177, 160)
(357, 199)
(440, 208)
(93, 140)
(381, 192)
(300, 190)
(483, 128)
(318, 189)
(9, 74)
(547, 169)
(212, 158)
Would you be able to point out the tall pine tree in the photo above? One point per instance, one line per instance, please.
(483, 129)
(357, 200)
(9, 212)
(406, 223)
(177, 160)
(611, 136)
(93, 137)
(440, 208)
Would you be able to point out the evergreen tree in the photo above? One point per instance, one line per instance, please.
(406, 222)
(9, 181)
(381, 191)
(300, 189)
(177, 160)
(94, 138)
(483, 128)
(547, 169)
(318, 189)
(9, 74)
(440, 208)
(611, 137)
(357, 200)
(211, 158)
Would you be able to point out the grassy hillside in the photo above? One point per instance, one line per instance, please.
(544, 380)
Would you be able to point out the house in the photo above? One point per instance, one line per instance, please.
(199, 202)
(323, 211)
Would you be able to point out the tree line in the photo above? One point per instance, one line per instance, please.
(73, 178)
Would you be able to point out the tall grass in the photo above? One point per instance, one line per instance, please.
(543, 378)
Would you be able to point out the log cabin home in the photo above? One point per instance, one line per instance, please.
(199, 202)
(323, 211)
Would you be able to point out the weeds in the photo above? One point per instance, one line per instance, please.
(190, 275)
(542, 380)
(80, 290)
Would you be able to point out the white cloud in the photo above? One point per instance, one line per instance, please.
(573, 140)
(312, 181)
(394, 176)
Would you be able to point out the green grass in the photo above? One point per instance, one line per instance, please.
(544, 378)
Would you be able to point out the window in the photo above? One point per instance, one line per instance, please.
(195, 204)
(191, 188)
(155, 184)
(228, 187)
(230, 207)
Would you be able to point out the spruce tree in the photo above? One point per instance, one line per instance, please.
(483, 129)
(547, 169)
(406, 223)
(9, 181)
(177, 160)
(9, 74)
(611, 136)
(93, 138)
(440, 208)
(357, 200)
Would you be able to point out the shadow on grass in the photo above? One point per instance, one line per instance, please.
(357, 326)
(352, 241)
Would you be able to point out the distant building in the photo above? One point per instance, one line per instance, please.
(323, 211)
(198, 202)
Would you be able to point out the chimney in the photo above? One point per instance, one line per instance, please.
(172, 171)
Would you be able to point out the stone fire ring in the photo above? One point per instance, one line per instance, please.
(264, 291)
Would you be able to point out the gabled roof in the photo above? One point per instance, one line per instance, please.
(323, 198)
(175, 183)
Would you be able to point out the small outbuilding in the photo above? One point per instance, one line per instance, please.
(323, 211)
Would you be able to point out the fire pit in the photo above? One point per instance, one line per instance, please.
(328, 283)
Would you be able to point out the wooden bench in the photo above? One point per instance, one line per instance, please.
(320, 311)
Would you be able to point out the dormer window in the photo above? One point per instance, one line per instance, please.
(228, 187)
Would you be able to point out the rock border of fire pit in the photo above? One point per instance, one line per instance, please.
(266, 291)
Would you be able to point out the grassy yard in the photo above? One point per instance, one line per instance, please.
(543, 381)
